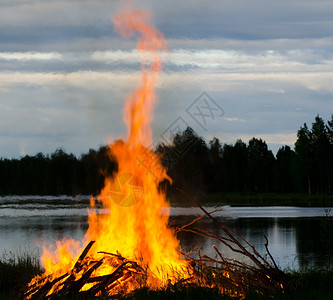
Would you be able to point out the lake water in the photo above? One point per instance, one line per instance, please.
(299, 237)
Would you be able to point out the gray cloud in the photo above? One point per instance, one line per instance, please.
(268, 63)
(42, 22)
(259, 19)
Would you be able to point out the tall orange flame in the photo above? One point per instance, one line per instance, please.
(139, 108)
(135, 225)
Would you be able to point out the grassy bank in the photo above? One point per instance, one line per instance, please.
(17, 271)
(309, 285)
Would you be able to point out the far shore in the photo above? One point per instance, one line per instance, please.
(214, 199)
(256, 199)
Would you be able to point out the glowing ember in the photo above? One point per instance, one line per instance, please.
(135, 227)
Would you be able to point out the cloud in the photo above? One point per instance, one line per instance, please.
(64, 74)
(234, 119)
(38, 23)
(24, 56)
(258, 19)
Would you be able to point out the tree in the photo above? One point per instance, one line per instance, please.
(96, 166)
(215, 158)
(329, 130)
(235, 166)
(320, 146)
(261, 164)
(284, 161)
(241, 165)
(191, 168)
(304, 154)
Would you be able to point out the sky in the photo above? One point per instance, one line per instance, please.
(234, 69)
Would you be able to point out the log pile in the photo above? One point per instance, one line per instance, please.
(250, 272)
(80, 281)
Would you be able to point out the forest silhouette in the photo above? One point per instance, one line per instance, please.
(192, 164)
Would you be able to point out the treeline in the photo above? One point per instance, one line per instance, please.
(192, 164)
(56, 174)
(252, 167)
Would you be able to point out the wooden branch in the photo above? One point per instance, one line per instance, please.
(232, 237)
(269, 253)
(82, 256)
(194, 221)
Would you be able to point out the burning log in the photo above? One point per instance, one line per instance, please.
(80, 280)
(230, 276)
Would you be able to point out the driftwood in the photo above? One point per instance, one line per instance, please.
(230, 276)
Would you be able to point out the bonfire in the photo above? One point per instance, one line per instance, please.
(132, 246)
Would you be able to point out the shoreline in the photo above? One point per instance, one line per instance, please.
(307, 284)
(218, 198)
(255, 199)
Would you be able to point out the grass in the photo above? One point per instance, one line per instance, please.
(308, 285)
(17, 270)
(181, 293)
(312, 284)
